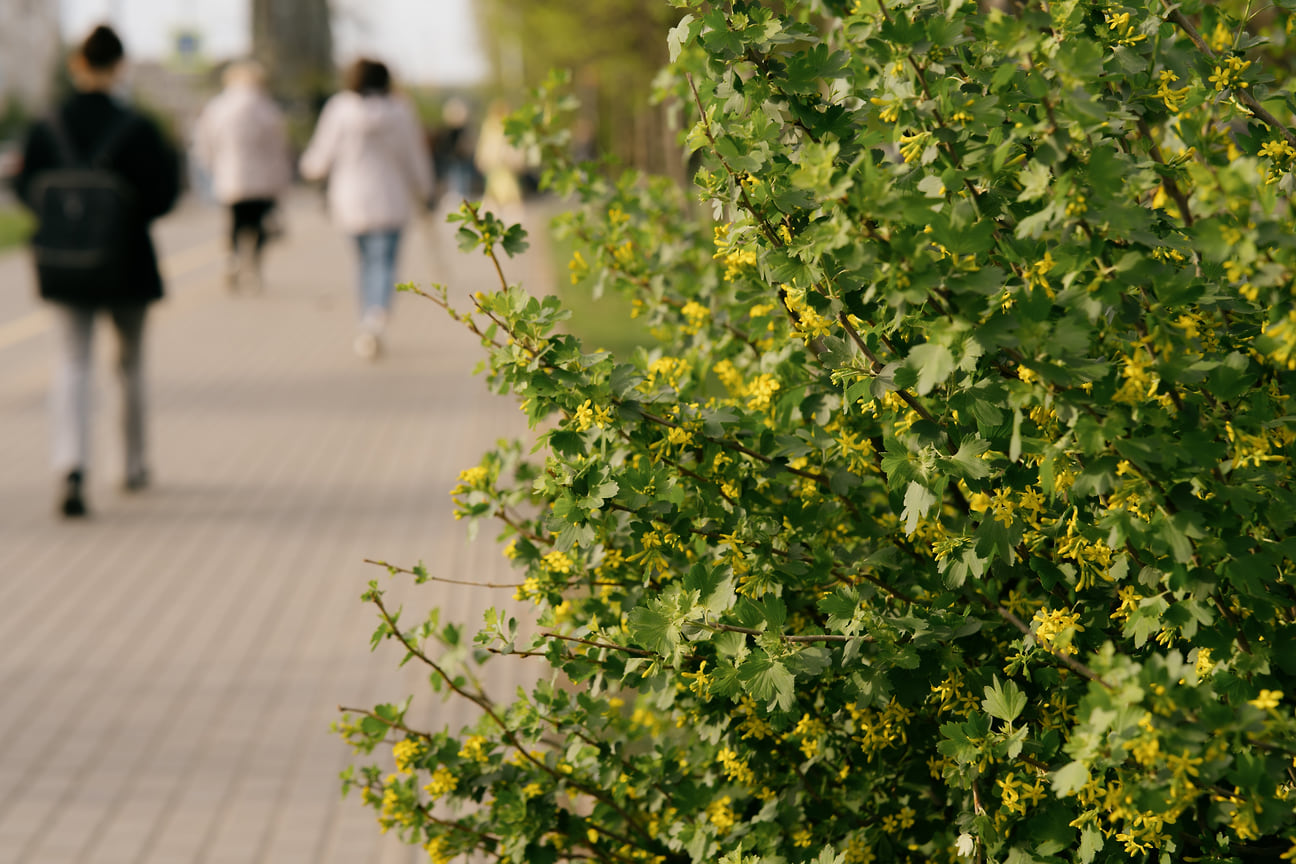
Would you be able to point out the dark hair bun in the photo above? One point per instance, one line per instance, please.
(368, 77)
(102, 49)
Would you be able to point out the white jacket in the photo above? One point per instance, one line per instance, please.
(375, 157)
(240, 141)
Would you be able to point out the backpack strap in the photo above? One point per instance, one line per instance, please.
(66, 152)
(112, 142)
(101, 155)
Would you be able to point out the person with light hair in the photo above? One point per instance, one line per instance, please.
(241, 142)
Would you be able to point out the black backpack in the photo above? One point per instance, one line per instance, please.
(84, 216)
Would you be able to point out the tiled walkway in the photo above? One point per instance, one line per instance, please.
(169, 668)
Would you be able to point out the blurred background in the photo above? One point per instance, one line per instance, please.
(453, 57)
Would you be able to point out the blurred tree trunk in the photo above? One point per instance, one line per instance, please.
(613, 48)
(293, 39)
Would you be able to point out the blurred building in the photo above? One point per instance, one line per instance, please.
(30, 52)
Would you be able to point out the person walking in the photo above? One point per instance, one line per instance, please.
(240, 140)
(370, 148)
(96, 174)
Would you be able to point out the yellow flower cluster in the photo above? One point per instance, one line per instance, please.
(1230, 74)
(701, 686)
(875, 731)
(1173, 98)
(1283, 332)
(721, 816)
(443, 782)
(1120, 25)
(475, 477)
(474, 748)
(1018, 796)
(668, 369)
(912, 144)
(737, 261)
(810, 324)
(730, 377)
(1250, 449)
(437, 850)
(899, 821)
(557, 561)
(578, 266)
(809, 729)
(406, 753)
(1141, 382)
(1055, 629)
(735, 767)
(1267, 699)
(889, 110)
(753, 724)
(1282, 156)
(588, 414)
(695, 316)
(760, 391)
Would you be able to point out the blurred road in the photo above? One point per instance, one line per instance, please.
(169, 667)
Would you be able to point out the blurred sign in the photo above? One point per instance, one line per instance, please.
(187, 44)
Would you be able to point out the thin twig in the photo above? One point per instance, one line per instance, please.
(424, 575)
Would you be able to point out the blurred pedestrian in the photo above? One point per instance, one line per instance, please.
(240, 140)
(96, 173)
(452, 152)
(370, 147)
(498, 160)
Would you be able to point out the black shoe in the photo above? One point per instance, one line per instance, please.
(137, 482)
(73, 500)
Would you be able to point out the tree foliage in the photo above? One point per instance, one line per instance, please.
(613, 48)
(951, 517)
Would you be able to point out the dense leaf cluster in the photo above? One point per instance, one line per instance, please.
(951, 516)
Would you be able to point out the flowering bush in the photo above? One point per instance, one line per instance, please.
(951, 516)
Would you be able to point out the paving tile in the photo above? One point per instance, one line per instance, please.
(171, 666)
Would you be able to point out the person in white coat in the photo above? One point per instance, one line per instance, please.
(370, 147)
(241, 142)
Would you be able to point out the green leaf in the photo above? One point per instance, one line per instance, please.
(932, 362)
(1070, 778)
(681, 34)
(918, 501)
(650, 628)
(767, 680)
(1091, 843)
(1005, 701)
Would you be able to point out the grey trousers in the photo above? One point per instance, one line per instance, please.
(71, 403)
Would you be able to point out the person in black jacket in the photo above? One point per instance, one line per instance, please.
(149, 167)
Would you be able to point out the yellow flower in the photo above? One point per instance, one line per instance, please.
(474, 748)
(760, 391)
(578, 267)
(695, 315)
(1002, 507)
(1204, 662)
(405, 753)
(1267, 699)
(721, 816)
(557, 561)
(1054, 630)
(443, 782)
(584, 416)
(912, 144)
(474, 478)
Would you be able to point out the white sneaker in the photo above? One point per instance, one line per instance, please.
(374, 320)
(366, 345)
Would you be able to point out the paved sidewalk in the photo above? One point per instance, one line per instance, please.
(169, 668)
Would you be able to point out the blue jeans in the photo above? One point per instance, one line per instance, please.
(377, 268)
